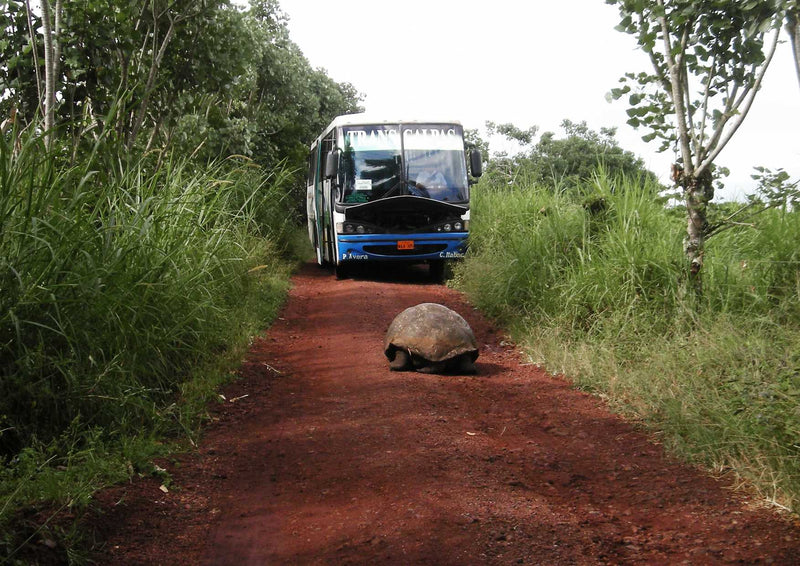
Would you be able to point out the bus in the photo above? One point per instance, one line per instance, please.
(389, 190)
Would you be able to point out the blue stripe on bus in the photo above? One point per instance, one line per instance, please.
(351, 246)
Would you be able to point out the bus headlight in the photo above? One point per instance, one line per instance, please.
(349, 228)
(452, 225)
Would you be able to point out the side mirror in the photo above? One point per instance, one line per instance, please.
(475, 163)
(331, 164)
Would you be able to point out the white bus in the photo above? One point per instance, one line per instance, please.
(389, 190)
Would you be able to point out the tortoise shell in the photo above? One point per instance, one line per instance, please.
(430, 332)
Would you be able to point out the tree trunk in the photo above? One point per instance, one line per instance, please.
(49, 74)
(52, 54)
(698, 192)
(793, 29)
(697, 187)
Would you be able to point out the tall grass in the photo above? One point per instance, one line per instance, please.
(599, 280)
(122, 281)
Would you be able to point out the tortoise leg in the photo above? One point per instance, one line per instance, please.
(438, 368)
(464, 364)
(401, 361)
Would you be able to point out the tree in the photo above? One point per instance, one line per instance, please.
(575, 158)
(568, 161)
(206, 78)
(708, 60)
(288, 101)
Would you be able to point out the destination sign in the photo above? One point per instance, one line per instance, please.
(416, 137)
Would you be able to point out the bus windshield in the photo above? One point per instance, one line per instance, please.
(425, 160)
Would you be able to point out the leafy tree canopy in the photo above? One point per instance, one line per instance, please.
(204, 77)
(568, 161)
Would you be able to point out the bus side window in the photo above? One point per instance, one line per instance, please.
(327, 145)
(312, 165)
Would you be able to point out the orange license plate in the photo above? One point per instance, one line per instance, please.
(405, 244)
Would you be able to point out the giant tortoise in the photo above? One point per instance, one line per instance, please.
(430, 338)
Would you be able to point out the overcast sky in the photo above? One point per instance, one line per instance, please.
(529, 63)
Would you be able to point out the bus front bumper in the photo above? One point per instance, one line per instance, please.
(401, 247)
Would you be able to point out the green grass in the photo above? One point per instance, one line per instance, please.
(598, 279)
(130, 288)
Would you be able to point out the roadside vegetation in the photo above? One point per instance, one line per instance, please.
(593, 286)
(150, 205)
(129, 291)
(682, 312)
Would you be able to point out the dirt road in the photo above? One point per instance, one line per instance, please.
(321, 455)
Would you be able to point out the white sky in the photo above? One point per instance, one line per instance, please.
(529, 63)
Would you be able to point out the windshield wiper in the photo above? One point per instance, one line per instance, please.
(396, 186)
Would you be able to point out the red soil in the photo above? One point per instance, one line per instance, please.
(321, 455)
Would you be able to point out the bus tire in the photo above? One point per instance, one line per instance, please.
(342, 271)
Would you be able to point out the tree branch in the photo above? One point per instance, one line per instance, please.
(151, 79)
(727, 223)
(49, 73)
(696, 142)
(57, 41)
(793, 29)
(35, 51)
(719, 141)
(676, 92)
(706, 96)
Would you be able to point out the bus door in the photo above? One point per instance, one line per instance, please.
(324, 212)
